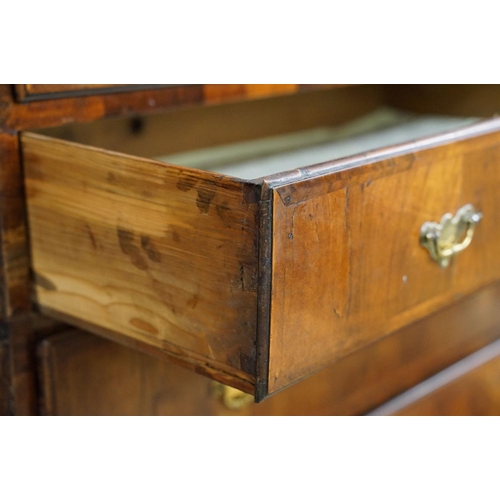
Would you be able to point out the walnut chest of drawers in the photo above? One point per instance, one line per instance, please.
(361, 260)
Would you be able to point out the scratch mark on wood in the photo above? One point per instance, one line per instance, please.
(91, 236)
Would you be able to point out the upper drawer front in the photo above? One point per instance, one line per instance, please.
(38, 91)
(211, 93)
(348, 266)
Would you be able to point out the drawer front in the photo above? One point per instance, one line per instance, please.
(347, 264)
(470, 387)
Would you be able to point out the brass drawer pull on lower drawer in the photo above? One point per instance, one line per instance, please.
(442, 240)
(233, 399)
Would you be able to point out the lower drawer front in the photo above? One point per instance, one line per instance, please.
(470, 387)
(81, 374)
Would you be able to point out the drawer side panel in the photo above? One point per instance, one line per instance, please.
(158, 253)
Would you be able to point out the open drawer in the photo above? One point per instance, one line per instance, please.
(259, 283)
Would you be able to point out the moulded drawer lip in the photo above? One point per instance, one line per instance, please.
(31, 92)
(372, 156)
(480, 366)
(255, 283)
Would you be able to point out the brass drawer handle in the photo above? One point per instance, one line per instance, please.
(442, 240)
(232, 399)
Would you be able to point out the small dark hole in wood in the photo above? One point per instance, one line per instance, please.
(136, 125)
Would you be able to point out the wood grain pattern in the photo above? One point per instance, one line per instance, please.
(220, 93)
(182, 357)
(224, 93)
(363, 380)
(347, 264)
(368, 377)
(162, 254)
(84, 375)
(14, 258)
(471, 387)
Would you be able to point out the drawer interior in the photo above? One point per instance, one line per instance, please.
(262, 138)
(263, 157)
